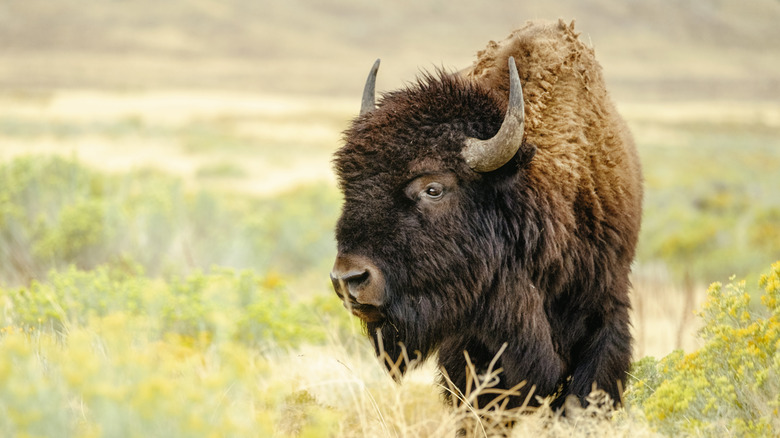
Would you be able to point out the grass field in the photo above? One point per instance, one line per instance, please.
(124, 227)
(167, 207)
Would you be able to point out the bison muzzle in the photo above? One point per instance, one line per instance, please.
(360, 285)
(495, 210)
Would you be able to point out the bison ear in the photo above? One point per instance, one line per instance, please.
(518, 164)
(524, 156)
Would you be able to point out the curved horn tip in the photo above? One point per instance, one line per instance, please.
(488, 155)
(368, 102)
(515, 88)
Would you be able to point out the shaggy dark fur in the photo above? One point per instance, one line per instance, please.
(536, 254)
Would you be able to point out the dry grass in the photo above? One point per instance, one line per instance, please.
(350, 382)
(663, 312)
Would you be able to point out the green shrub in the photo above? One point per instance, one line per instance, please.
(54, 213)
(711, 202)
(223, 304)
(731, 385)
(221, 170)
(112, 352)
(765, 233)
(109, 380)
(73, 297)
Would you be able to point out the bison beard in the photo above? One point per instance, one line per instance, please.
(531, 256)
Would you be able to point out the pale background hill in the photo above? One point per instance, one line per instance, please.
(724, 49)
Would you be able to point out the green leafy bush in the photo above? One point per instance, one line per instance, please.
(113, 352)
(74, 297)
(110, 380)
(224, 304)
(731, 385)
(54, 213)
(711, 200)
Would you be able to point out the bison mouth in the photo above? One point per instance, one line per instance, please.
(366, 312)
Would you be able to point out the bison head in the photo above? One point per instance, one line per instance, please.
(429, 227)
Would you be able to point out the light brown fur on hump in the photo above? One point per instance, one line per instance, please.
(586, 162)
(545, 53)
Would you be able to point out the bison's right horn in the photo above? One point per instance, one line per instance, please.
(369, 103)
(488, 155)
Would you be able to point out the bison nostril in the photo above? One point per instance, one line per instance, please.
(337, 285)
(355, 279)
(348, 284)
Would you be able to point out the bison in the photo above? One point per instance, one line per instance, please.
(495, 210)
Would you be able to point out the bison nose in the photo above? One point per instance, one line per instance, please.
(357, 280)
(351, 283)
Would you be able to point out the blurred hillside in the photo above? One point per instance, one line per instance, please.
(252, 97)
(652, 49)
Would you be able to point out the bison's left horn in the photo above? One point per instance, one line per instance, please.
(488, 155)
(369, 103)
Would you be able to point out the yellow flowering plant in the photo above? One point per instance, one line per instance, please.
(731, 385)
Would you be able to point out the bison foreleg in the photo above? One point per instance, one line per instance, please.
(504, 377)
(604, 359)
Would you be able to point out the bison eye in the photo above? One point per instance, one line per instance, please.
(433, 191)
(429, 188)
